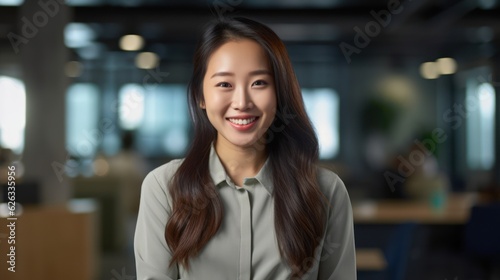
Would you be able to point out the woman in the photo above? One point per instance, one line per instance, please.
(248, 201)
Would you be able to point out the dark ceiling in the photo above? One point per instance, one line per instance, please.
(422, 28)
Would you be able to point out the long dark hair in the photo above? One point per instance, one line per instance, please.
(197, 209)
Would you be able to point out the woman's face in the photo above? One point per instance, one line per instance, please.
(238, 91)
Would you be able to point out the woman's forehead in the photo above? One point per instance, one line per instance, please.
(238, 56)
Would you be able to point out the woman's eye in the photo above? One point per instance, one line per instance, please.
(223, 84)
(260, 83)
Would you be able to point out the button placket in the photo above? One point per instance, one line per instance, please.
(246, 234)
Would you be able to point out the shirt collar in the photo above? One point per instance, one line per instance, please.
(219, 175)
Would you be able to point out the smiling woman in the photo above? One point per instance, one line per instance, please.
(248, 201)
(239, 95)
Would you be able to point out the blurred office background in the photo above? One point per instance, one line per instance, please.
(402, 96)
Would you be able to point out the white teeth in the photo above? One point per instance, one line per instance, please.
(242, 121)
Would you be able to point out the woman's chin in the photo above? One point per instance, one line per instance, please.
(243, 142)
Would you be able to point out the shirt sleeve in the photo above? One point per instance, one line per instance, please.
(338, 256)
(152, 254)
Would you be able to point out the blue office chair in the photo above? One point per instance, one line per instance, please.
(397, 252)
(482, 235)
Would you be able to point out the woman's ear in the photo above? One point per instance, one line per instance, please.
(202, 104)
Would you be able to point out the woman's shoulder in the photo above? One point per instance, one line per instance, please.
(166, 171)
(168, 167)
(155, 184)
(330, 183)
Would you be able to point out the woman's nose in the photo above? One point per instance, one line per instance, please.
(241, 99)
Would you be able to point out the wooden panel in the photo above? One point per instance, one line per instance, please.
(455, 211)
(52, 243)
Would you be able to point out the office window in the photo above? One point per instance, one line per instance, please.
(11, 2)
(480, 105)
(12, 114)
(82, 135)
(131, 110)
(165, 125)
(322, 106)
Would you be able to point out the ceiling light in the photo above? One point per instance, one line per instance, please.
(429, 70)
(446, 65)
(131, 42)
(147, 60)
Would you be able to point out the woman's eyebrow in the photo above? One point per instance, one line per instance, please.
(260, 72)
(253, 73)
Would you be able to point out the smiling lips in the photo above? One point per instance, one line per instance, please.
(242, 123)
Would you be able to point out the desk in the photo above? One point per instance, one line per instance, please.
(53, 242)
(455, 211)
(370, 259)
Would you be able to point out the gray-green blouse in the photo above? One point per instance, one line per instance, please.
(245, 247)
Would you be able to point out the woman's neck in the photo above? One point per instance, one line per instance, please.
(240, 162)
